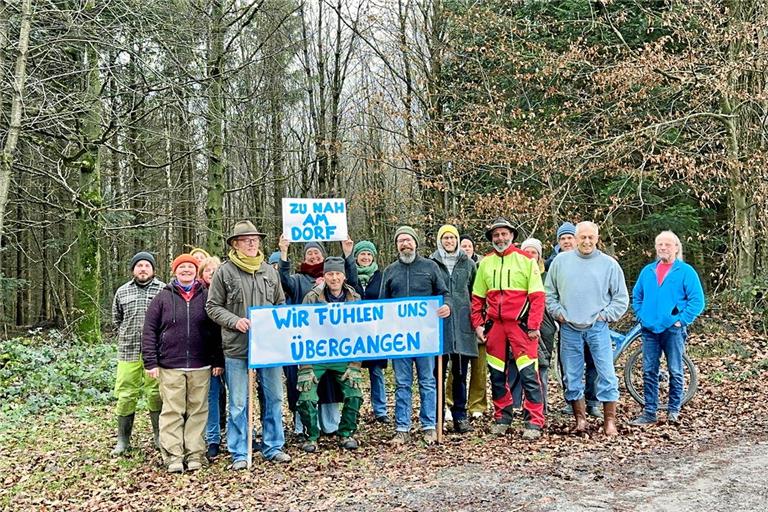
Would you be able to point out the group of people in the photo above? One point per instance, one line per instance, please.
(184, 342)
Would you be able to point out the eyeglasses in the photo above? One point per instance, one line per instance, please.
(249, 241)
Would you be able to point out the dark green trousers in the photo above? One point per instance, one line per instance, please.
(307, 404)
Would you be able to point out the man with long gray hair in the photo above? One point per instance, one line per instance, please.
(666, 299)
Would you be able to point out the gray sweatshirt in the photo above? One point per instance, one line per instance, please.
(584, 289)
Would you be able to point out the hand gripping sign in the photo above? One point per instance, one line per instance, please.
(315, 220)
(348, 331)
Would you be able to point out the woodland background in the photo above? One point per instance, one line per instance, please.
(129, 125)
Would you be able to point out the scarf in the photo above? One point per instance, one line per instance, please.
(449, 259)
(364, 274)
(186, 292)
(248, 264)
(315, 271)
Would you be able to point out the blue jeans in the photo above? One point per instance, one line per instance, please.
(598, 339)
(271, 382)
(378, 391)
(590, 391)
(672, 343)
(425, 369)
(213, 426)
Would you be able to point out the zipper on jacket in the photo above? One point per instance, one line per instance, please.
(187, 333)
(501, 285)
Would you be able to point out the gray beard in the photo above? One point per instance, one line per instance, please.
(502, 248)
(407, 259)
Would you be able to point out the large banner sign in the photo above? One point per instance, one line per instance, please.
(315, 220)
(349, 331)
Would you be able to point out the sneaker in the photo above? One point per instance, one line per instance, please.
(176, 467)
(567, 410)
(194, 465)
(400, 438)
(448, 415)
(213, 451)
(239, 465)
(595, 411)
(385, 419)
(280, 457)
(529, 434)
(430, 436)
(673, 417)
(348, 443)
(644, 419)
(462, 426)
(309, 447)
(477, 415)
(499, 429)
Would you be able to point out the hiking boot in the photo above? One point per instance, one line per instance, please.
(213, 451)
(124, 428)
(580, 414)
(280, 457)
(384, 419)
(462, 426)
(673, 417)
(194, 465)
(430, 436)
(594, 411)
(309, 447)
(348, 443)
(643, 419)
(531, 433)
(499, 429)
(239, 465)
(609, 422)
(176, 467)
(401, 438)
(154, 418)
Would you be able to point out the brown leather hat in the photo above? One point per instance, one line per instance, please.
(244, 228)
(501, 222)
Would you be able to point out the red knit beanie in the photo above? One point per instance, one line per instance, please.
(183, 258)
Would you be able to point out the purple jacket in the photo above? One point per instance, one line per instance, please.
(179, 334)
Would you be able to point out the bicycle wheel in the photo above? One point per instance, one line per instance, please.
(633, 379)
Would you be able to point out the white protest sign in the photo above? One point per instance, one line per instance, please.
(347, 331)
(315, 220)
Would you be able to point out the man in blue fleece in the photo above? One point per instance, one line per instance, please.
(666, 298)
(586, 290)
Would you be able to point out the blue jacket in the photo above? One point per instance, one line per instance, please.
(680, 297)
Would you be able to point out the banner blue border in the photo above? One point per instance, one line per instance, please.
(438, 298)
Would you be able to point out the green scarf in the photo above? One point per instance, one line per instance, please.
(364, 274)
(249, 264)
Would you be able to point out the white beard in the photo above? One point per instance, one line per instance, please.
(407, 259)
(502, 248)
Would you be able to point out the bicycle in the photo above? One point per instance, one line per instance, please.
(633, 369)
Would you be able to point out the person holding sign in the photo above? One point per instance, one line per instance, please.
(333, 289)
(369, 287)
(459, 343)
(181, 348)
(414, 276)
(296, 286)
(507, 309)
(246, 280)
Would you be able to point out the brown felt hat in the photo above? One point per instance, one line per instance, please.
(244, 228)
(501, 222)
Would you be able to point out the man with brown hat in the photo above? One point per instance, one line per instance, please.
(247, 280)
(507, 309)
(128, 308)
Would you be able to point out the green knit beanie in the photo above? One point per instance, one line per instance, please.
(407, 230)
(365, 245)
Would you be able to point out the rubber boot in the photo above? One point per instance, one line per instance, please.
(154, 418)
(580, 413)
(124, 428)
(609, 419)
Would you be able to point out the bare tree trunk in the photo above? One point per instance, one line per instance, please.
(17, 95)
(214, 206)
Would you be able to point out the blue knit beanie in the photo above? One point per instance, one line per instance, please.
(566, 228)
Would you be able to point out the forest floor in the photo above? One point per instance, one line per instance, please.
(714, 458)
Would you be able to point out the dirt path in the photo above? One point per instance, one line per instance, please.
(732, 477)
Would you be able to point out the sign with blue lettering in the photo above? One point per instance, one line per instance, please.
(315, 220)
(347, 331)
